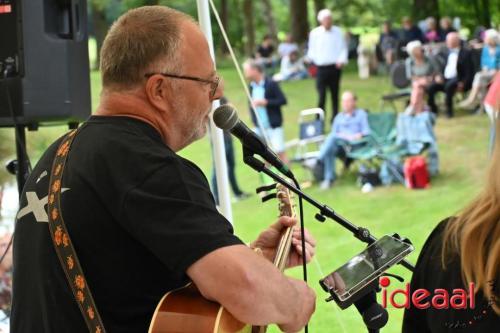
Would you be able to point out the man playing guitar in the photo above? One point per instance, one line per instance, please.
(141, 218)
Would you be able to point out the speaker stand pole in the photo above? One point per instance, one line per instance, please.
(22, 170)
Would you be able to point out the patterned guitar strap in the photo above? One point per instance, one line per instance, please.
(62, 242)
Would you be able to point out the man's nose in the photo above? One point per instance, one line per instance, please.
(219, 92)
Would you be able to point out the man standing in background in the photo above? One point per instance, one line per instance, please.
(267, 100)
(328, 51)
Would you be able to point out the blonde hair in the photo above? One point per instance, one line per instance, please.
(475, 235)
(141, 39)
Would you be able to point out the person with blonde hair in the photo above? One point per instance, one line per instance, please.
(462, 250)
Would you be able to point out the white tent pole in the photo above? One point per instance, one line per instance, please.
(218, 151)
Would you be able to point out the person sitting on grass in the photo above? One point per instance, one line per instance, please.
(348, 127)
(292, 68)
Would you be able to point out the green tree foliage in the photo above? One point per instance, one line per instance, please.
(361, 14)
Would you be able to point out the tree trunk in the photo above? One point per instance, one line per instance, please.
(271, 22)
(318, 5)
(224, 17)
(425, 8)
(299, 23)
(486, 19)
(101, 26)
(249, 27)
(477, 10)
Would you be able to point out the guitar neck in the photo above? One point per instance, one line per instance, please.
(284, 247)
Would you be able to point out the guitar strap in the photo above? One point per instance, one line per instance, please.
(63, 244)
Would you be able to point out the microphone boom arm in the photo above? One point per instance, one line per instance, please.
(360, 233)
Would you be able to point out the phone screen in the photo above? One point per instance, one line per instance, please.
(364, 267)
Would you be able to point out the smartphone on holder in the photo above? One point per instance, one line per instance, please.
(355, 278)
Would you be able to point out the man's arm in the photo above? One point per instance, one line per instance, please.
(311, 44)
(252, 288)
(365, 126)
(343, 51)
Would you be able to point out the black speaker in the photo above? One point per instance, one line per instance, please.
(44, 65)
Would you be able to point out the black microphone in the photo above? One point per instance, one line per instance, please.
(226, 118)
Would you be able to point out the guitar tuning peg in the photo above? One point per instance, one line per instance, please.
(265, 188)
(269, 197)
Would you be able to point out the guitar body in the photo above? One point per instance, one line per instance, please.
(186, 311)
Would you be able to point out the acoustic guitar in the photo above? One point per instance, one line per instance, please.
(186, 311)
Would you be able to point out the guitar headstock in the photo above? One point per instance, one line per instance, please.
(285, 198)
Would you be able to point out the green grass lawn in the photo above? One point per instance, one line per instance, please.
(413, 214)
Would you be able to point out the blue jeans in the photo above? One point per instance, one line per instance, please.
(330, 149)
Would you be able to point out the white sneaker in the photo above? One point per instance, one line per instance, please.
(310, 163)
(325, 185)
(366, 188)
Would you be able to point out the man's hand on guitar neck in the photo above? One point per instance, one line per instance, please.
(268, 241)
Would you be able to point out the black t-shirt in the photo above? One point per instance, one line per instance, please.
(265, 51)
(430, 275)
(138, 214)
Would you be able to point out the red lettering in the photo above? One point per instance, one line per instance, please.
(384, 298)
(406, 293)
(442, 296)
(458, 295)
(472, 296)
(419, 295)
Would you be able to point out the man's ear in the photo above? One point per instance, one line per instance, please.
(158, 90)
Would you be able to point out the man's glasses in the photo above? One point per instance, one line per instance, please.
(214, 84)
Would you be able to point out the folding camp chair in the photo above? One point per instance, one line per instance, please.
(376, 146)
(311, 135)
(401, 82)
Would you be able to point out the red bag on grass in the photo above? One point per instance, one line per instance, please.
(416, 174)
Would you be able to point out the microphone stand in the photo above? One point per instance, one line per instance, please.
(363, 234)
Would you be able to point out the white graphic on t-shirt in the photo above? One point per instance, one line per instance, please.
(35, 205)
(45, 173)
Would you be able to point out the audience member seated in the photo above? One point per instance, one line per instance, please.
(446, 27)
(292, 68)
(421, 70)
(348, 127)
(265, 52)
(388, 43)
(457, 75)
(432, 34)
(410, 31)
(490, 63)
(415, 135)
(287, 46)
(462, 250)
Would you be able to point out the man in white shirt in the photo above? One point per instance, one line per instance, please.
(457, 74)
(328, 51)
